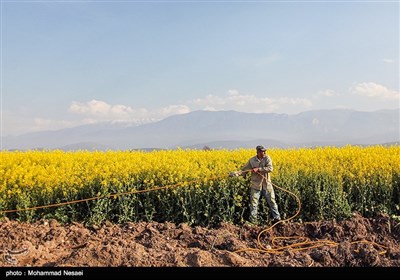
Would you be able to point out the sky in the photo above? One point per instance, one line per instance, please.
(70, 63)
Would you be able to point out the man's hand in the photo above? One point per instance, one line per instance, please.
(255, 170)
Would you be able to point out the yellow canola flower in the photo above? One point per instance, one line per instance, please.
(58, 172)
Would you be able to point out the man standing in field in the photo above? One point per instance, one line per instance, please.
(260, 166)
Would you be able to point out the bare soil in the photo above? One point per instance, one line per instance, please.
(47, 243)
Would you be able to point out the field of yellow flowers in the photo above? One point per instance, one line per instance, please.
(193, 186)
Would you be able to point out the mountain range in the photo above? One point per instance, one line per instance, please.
(224, 130)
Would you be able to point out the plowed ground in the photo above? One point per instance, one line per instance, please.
(47, 243)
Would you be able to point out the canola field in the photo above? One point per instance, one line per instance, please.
(193, 186)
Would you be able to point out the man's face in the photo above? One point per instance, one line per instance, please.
(260, 153)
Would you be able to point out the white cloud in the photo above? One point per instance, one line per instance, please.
(98, 111)
(327, 93)
(100, 108)
(95, 111)
(172, 110)
(374, 90)
(120, 110)
(233, 100)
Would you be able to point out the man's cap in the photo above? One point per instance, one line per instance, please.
(261, 148)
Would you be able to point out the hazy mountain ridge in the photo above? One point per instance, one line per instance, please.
(225, 129)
